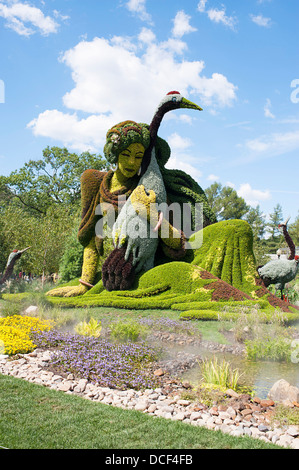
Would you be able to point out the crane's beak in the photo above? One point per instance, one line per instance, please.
(287, 221)
(25, 249)
(188, 104)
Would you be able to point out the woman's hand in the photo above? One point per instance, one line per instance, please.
(118, 272)
(68, 291)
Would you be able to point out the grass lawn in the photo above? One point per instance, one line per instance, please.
(34, 417)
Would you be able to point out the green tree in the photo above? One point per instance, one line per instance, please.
(257, 221)
(39, 205)
(70, 265)
(46, 236)
(275, 219)
(52, 180)
(225, 202)
(294, 231)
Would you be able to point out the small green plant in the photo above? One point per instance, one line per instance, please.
(285, 415)
(9, 309)
(92, 328)
(269, 349)
(130, 330)
(219, 373)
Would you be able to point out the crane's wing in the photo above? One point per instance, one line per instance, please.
(275, 269)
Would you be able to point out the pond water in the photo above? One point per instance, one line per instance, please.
(260, 375)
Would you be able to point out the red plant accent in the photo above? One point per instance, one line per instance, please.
(224, 291)
(272, 299)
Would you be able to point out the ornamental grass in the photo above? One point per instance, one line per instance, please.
(220, 374)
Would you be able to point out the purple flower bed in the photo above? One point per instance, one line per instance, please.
(169, 325)
(100, 361)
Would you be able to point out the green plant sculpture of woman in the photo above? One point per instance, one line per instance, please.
(132, 191)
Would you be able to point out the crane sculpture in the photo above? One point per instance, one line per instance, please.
(119, 269)
(12, 258)
(288, 239)
(281, 271)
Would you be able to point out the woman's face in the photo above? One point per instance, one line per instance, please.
(129, 161)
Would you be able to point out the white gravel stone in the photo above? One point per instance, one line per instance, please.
(33, 367)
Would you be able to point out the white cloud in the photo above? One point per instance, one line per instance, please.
(180, 158)
(137, 75)
(180, 162)
(253, 197)
(138, 7)
(186, 118)
(201, 5)
(213, 178)
(274, 144)
(177, 142)
(181, 24)
(242, 125)
(79, 134)
(261, 20)
(267, 110)
(219, 16)
(25, 19)
(146, 36)
(60, 16)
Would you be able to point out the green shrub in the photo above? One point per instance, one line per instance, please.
(200, 315)
(269, 349)
(264, 316)
(124, 331)
(220, 305)
(71, 262)
(91, 328)
(9, 309)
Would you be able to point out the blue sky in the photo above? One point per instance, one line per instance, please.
(71, 69)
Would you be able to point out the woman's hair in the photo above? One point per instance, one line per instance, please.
(120, 136)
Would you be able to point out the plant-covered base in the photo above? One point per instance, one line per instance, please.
(220, 273)
(187, 288)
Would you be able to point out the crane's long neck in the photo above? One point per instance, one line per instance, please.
(153, 130)
(155, 124)
(8, 271)
(290, 242)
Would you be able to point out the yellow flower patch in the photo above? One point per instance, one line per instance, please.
(15, 333)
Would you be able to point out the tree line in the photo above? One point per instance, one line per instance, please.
(40, 207)
(266, 235)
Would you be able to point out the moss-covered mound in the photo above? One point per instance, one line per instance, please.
(178, 286)
(219, 273)
(227, 253)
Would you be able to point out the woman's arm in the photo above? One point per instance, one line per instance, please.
(89, 270)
